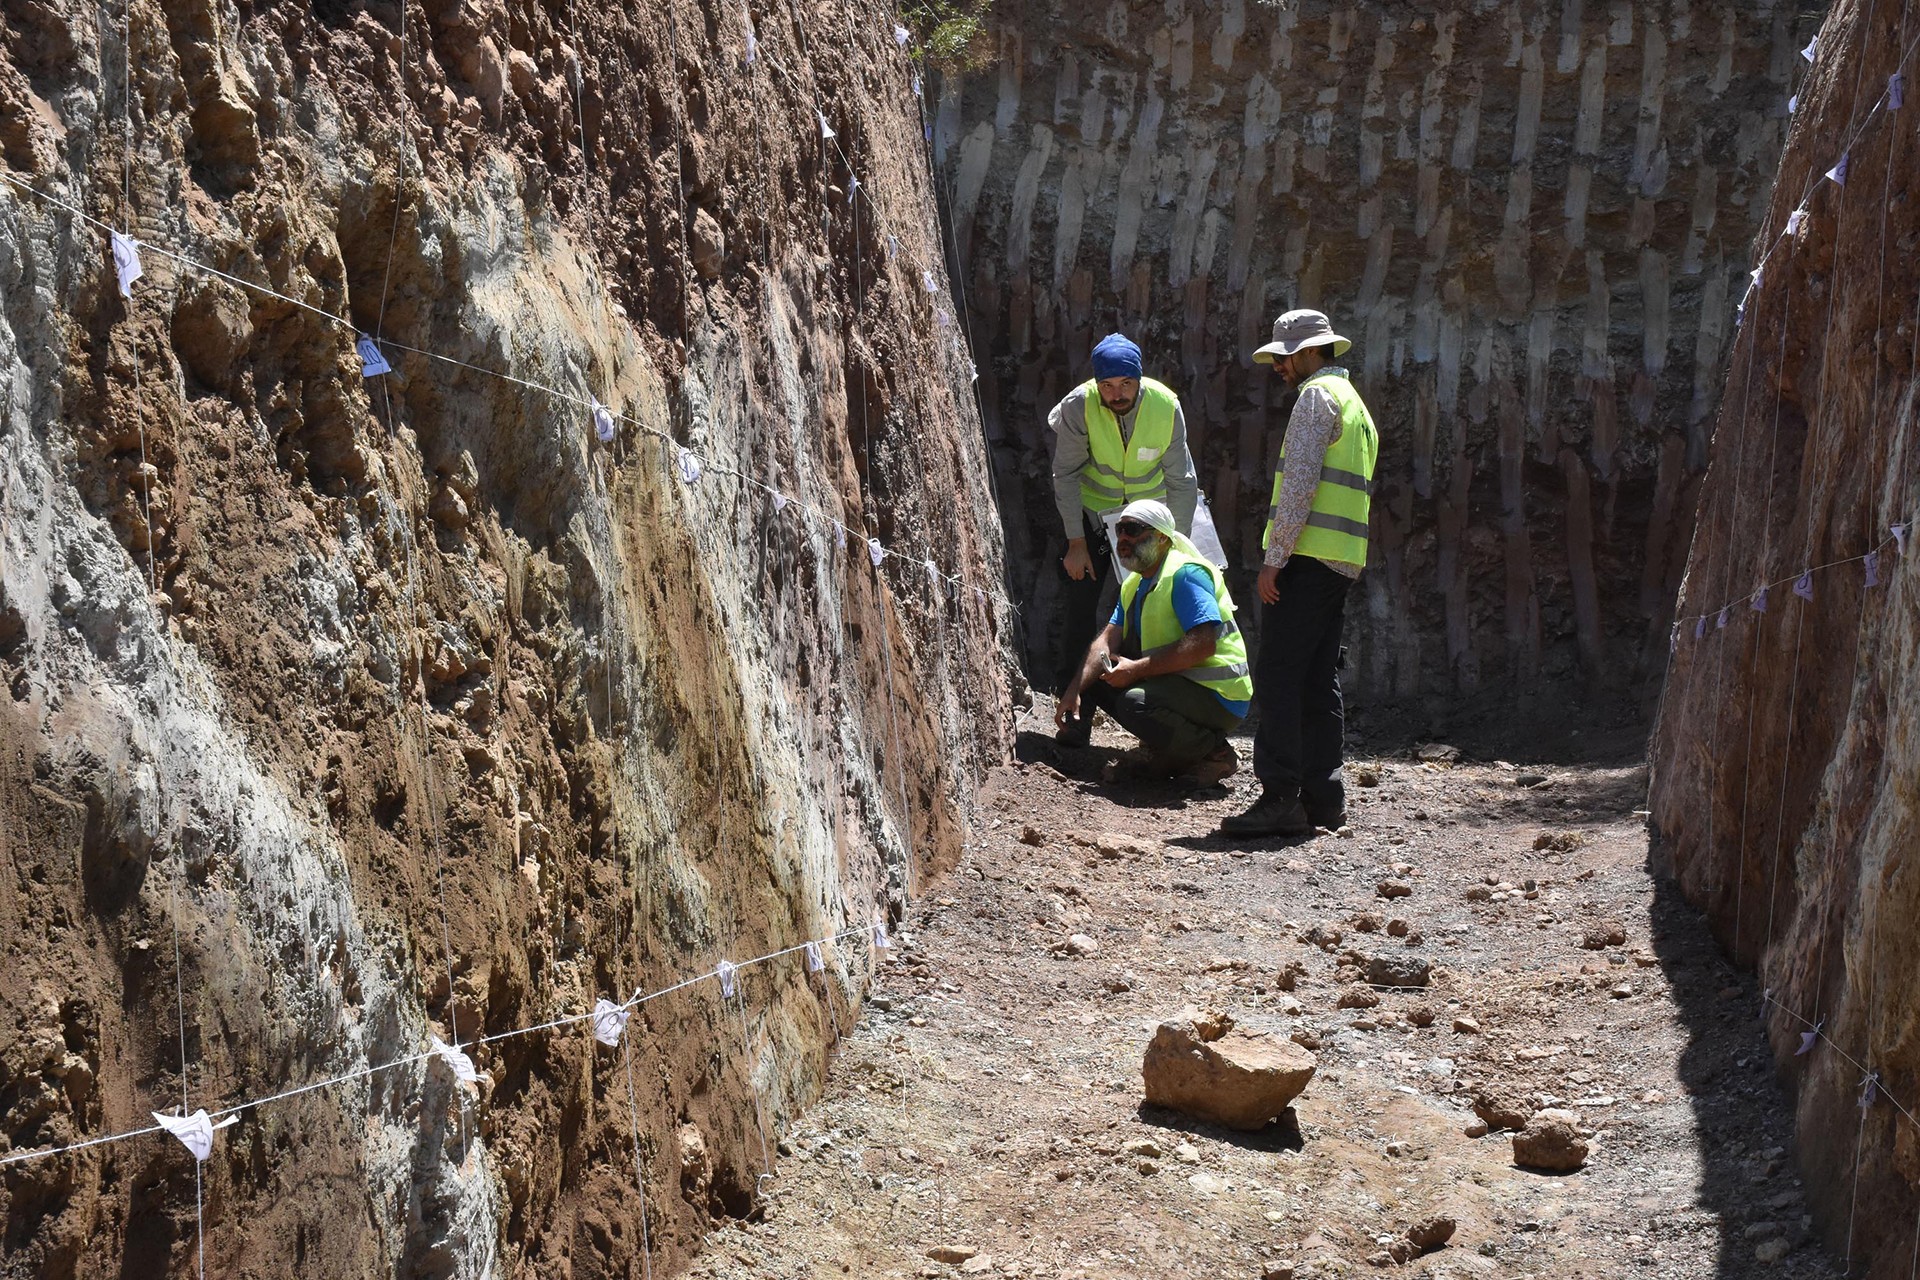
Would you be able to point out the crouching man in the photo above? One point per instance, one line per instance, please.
(1171, 665)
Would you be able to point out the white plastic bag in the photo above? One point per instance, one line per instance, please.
(1205, 537)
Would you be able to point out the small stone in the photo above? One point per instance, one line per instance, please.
(1399, 1147)
(1503, 1106)
(1479, 893)
(1365, 922)
(1306, 1038)
(1033, 836)
(1394, 889)
(977, 1266)
(1466, 1026)
(709, 245)
(951, 1254)
(1399, 971)
(1475, 1128)
(1358, 996)
(1528, 779)
(1079, 944)
(1622, 991)
(1398, 928)
(1768, 1252)
(1430, 1233)
(1143, 1147)
(1187, 1153)
(1602, 936)
(1550, 1141)
(1421, 1015)
(1380, 1259)
(1277, 1271)
(1208, 1068)
(1206, 1184)
(1437, 753)
(1366, 775)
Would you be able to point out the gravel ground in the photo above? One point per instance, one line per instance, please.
(985, 1116)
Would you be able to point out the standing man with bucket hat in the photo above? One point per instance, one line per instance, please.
(1316, 545)
(1117, 438)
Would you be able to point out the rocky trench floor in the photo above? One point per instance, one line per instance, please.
(986, 1117)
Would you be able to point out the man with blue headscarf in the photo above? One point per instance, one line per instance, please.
(1119, 437)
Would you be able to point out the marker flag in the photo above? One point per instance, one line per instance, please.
(826, 130)
(126, 261)
(753, 41)
(839, 535)
(916, 84)
(1807, 1040)
(880, 937)
(1793, 104)
(1813, 47)
(926, 278)
(689, 465)
(942, 316)
(933, 573)
(815, 961)
(1700, 626)
(853, 188)
(1873, 568)
(372, 362)
(457, 1062)
(893, 247)
(900, 35)
(1838, 174)
(1896, 91)
(1796, 222)
(725, 971)
(609, 1022)
(779, 502)
(973, 372)
(195, 1131)
(1673, 641)
(1869, 1089)
(1899, 532)
(1760, 600)
(1803, 585)
(875, 552)
(1720, 624)
(603, 427)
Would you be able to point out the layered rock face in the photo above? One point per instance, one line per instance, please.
(1532, 218)
(342, 713)
(1788, 742)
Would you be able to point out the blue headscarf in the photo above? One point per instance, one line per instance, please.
(1116, 357)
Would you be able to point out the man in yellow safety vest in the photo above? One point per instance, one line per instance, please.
(1316, 545)
(1171, 665)
(1118, 437)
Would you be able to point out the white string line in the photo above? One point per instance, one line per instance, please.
(639, 1162)
(1880, 1091)
(360, 1073)
(542, 388)
(1884, 543)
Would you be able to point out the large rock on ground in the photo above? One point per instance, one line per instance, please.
(1551, 1141)
(1205, 1066)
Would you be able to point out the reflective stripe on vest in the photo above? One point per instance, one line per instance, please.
(1115, 473)
(1337, 520)
(1226, 672)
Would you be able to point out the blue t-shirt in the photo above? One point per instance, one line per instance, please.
(1193, 606)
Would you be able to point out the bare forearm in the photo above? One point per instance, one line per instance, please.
(1189, 651)
(1104, 645)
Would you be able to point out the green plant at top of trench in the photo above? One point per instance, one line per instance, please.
(949, 34)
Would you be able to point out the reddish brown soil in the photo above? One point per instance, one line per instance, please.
(987, 1099)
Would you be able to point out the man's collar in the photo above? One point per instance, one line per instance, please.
(1327, 371)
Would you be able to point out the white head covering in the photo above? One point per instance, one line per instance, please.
(1152, 511)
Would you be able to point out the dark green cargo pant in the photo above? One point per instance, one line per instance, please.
(1176, 720)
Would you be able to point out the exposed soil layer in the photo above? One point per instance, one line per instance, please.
(991, 1098)
(1532, 217)
(339, 713)
(1787, 753)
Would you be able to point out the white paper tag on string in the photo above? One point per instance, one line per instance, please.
(1813, 47)
(1896, 91)
(942, 316)
(916, 84)
(815, 961)
(1673, 642)
(1796, 222)
(1873, 568)
(126, 261)
(1720, 624)
(893, 247)
(973, 372)
(901, 35)
(609, 1021)
(1803, 586)
(880, 937)
(1808, 1039)
(853, 187)
(1899, 532)
(725, 971)
(753, 41)
(603, 423)
(1700, 626)
(1793, 104)
(1758, 274)
(1760, 600)
(926, 278)
(457, 1062)
(933, 574)
(1838, 174)
(779, 502)
(1869, 1089)
(195, 1131)
(826, 130)
(689, 463)
(875, 552)
(373, 362)
(839, 535)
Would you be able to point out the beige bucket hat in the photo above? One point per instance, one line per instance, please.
(1297, 329)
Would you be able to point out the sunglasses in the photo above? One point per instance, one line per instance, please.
(1130, 529)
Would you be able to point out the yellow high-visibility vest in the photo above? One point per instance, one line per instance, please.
(1117, 473)
(1338, 520)
(1226, 672)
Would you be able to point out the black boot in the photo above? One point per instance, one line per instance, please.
(1275, 813)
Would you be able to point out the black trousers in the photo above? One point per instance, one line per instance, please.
(1177, 721)
(1087, 603)
(1298, 745)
